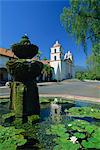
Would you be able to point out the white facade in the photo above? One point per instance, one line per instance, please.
(61, 63)
(4, 76)
(3, 61)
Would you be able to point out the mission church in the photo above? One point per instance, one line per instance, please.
(62, 64)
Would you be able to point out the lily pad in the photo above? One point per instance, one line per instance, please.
(84, 112)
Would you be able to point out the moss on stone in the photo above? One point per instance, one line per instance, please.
(9, 117)
(18, 121)
(19, 99)
(24, 49)
(24, 92)
(31, 99)
(22, 70)
(33, 119)
(24, 99)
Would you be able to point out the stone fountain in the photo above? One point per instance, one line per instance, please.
(24, 97)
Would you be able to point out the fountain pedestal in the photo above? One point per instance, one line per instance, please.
(24, 97)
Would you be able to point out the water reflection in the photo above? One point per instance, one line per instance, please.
(55, 112)
(86, 104)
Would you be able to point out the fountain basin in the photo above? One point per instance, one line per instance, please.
(23, 70)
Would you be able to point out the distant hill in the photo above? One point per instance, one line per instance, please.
(80, 68)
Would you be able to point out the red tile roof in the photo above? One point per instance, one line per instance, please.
(7, 53)
(47, 62)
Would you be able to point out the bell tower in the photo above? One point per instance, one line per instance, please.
(56, 52)
(56, 58)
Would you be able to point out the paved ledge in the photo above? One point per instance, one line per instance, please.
(4, 97)
(70, 97)
(92, 81)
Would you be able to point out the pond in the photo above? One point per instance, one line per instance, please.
(55, 124)
(46, 108)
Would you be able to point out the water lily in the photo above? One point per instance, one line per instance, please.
(73, 139)
(69, 125)
(55, 100)
(60, 100)
(28, 60)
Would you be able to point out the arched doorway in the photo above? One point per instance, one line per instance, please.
(3, 75)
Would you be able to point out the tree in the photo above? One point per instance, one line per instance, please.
(47, 72)
(93, 61)
(38, 55)
(82, 19)
(44, 58)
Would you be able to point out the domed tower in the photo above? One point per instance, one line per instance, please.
(56, 58)
(68, 58)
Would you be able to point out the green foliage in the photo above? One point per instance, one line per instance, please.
(4, 101)
(47, 71)
(37, 132)
(33, 119)
(58, 130)
(84, 112)
(79, 75)
(11, 138)
(8, 117)
(38, 55)
(44, 100)
(78, 126)
(62, 139)
(63, 101)
(49, 100)
(93, 61)
(25, 40)
(64, 144)
(93, 141)
(78, 134)
(89, 75)
(44, 58)
(82, 20)
(91, 133)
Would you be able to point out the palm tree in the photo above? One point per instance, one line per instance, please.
(47, 72)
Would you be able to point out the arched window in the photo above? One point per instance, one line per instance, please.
(60, 56)
(54, 57)
(54, 50)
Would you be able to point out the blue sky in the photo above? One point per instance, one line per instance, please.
(41, 21)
